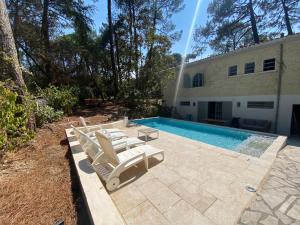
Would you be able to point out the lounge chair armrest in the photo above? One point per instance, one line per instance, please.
(119, 143)
(94, 128)
(121, 167)
(100, 159)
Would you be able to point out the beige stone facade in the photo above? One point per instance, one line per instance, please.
(239, 89)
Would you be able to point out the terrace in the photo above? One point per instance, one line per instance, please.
(197, 183)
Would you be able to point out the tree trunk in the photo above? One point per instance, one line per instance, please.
(112, 53)
(46, 40)
(153, 31)
(130, 23)
(287, 18)
(16, 22)
(136, 47)
(253, 23)
(117, 57)
(7, 45)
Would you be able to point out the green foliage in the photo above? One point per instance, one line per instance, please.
(5, 66)
(46, 114)
(13, 118)
(146, 109)
(60, 98)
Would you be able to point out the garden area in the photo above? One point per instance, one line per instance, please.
(60, 60)
(38, 183)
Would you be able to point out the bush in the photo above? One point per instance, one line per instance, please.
(63, 98)
(13, 118)
(144, 110)
(46, 114)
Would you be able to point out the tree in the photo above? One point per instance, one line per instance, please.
(159, 34)
(8, 47)
(46, 39)
(112, 51)
(232, 24)
(281, 14)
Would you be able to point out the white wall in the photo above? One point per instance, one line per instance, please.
(285, 109)
(242, 111)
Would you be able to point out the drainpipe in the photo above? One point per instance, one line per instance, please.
(279, 87)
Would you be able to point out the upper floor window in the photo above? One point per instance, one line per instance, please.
(249, 67)
(198, 80)
(232, 70)
(269, 64)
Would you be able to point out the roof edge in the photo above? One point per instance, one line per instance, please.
(271, 42)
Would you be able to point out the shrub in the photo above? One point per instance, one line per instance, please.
(63, 98)
(46, 114)
(144, 110)
(13, 118)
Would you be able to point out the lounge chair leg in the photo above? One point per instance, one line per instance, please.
(146, 163)
(113, 183)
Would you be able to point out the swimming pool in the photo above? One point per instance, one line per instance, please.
(224, 137)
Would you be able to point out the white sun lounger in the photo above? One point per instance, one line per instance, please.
(92, 148)
(108, 130)
(114, 164)
(113, 133)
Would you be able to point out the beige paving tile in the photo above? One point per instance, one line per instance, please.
(222, 213)
(145, 214)
(183, 213)
(195, 177)
(159, 194)
(164, 174)
(191, 193)
(205, 202)
(235, 192)
(250, 178)
(192, 175)
(127, 198)
(143, 178)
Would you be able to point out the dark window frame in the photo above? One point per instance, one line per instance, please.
(185, 103)
(198, 80)
(269, 64)
(260, 104)
(249, 68)
(234, 72)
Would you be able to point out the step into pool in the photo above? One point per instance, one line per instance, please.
(232, 139)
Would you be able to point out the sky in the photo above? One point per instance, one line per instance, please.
(182, 20)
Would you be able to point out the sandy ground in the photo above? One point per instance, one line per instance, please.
(38, 184)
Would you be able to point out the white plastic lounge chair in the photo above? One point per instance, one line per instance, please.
(113, 135)
(114, 164)
(109, 130)
(92, 148)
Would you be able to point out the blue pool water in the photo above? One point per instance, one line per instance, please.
(222, 137)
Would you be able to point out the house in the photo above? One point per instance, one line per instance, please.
(260, 83)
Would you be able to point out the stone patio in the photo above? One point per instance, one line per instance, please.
(195, 184)
(279, 200)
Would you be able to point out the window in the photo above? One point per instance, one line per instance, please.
(261, 105)
(198, 80)
(249, 67)
(269, 64)
(232, 71)
(185, 103)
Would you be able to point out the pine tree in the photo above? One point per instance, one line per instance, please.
(231, 24)
(282, 14)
